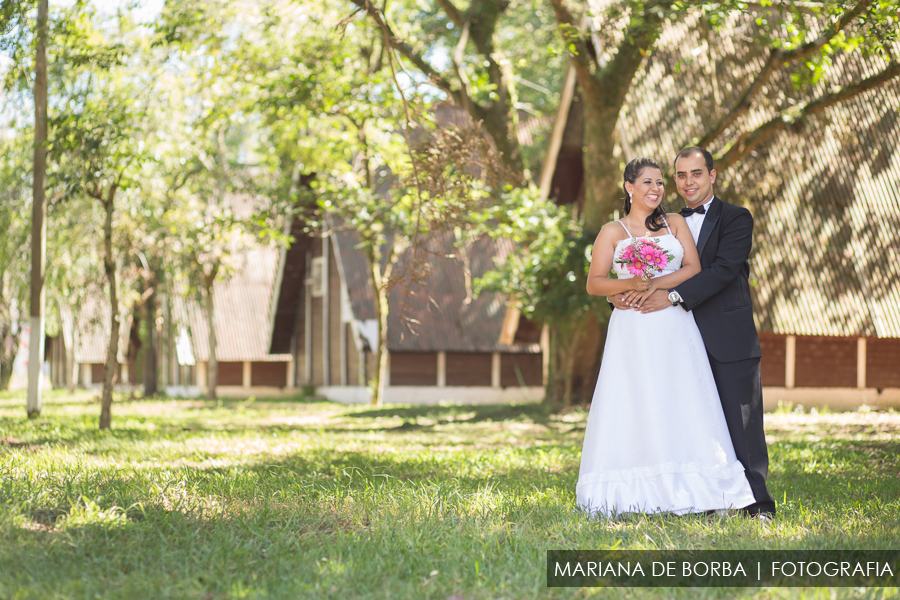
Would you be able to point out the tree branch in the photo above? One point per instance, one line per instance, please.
(457, 58)
(777, 59)
(453, 13)
(581, 60)
(406, 50)
(640, 37)
(750, 140)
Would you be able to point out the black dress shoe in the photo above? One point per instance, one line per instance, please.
(757, 508)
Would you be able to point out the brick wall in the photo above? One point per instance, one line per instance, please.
(530, 367)
(413, 368)
(773, 357)
(231, 373)
(883, 363)
(273, 374)
(825, 362)
(469, 368)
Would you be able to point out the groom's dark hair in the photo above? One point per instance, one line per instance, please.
(707, 157)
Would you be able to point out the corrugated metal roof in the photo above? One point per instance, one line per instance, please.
(825, 197)
(242, 306)
(440, 314)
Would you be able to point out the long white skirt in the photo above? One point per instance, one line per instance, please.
(656, 438)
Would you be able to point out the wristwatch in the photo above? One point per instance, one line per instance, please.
(675, 298)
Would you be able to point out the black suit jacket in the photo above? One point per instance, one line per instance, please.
(719, 295)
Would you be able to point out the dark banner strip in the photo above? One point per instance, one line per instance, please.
(723, 568)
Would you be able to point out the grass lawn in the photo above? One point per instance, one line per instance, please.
(298, 498)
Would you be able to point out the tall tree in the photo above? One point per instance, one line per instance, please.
(38, 215)
(102, 136)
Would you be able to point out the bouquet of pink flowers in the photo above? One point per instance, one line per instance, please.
(645, 258)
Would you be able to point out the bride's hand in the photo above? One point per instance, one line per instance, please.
(636, 299)
(639, 284)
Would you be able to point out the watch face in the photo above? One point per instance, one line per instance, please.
(673, 298)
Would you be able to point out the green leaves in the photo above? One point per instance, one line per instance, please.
(547, 271)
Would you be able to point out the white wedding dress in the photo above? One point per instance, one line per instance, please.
(656, 438)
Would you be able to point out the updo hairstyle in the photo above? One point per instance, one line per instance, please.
(656, 220)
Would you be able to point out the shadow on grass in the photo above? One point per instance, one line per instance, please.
(539, 413)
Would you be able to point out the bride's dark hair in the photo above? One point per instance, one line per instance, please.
(655, 221)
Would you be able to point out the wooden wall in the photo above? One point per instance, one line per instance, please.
(299, 339)
(353, 357)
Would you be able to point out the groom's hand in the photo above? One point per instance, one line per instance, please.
(618, 301)
(658, 300)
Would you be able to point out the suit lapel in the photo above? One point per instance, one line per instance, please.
(712, 215)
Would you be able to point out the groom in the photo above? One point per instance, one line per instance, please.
(719, 297)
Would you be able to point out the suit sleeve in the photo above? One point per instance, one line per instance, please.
(736, 241)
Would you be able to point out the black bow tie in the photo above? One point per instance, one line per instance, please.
(686, 212)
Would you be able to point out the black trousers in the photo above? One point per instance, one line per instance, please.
(740, 390)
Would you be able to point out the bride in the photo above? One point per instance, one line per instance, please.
(656, 438)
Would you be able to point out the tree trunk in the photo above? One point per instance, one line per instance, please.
(38, 216)
(575, 352)
(9, 347)
(378, 281)
(112, 349)
(603, 195)
(212, 366)
(381, 317)
(151, 345)
(603, 192)
(9, 341)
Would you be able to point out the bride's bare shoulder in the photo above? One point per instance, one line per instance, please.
(612, 231)
(675, 218)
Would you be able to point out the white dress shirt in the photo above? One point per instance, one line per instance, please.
(695, 221)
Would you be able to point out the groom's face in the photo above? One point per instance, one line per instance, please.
(694, 182)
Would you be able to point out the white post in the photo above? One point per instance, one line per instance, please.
(125, 379)
(343, 348)
(200, 376)
(291, 380)
(495, 370)
(86, 375)
(246, 376)
(790, 360)
(387, 371)
(861, 363)
(442, 369)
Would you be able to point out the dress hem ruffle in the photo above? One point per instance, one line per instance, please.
(676, 492)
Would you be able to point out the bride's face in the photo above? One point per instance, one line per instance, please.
(648, 189)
